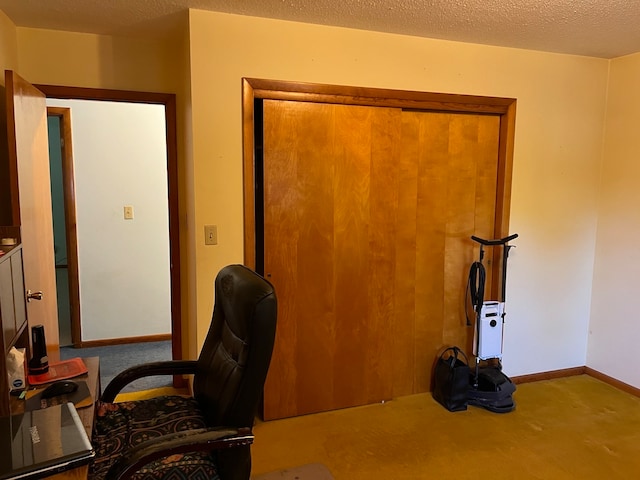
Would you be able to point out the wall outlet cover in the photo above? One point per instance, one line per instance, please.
(210, 234)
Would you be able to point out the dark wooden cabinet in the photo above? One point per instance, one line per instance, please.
(13, 315)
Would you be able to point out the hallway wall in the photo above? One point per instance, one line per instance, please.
(120, 158)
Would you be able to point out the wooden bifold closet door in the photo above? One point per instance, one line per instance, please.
(368, 213)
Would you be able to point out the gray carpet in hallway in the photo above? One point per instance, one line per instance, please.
(116, 358)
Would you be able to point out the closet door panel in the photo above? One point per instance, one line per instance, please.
(368, 213)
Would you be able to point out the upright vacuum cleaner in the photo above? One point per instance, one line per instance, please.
(489, 388)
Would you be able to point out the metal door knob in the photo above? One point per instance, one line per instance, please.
(34, 295)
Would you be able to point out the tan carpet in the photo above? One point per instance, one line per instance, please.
(146, 394)
(313, 471)
(569, 428)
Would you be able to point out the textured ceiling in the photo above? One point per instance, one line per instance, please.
(599, 28)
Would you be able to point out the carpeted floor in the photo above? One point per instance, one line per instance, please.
(151, 393)
(570, 428)
(312, 471)
(116, 358)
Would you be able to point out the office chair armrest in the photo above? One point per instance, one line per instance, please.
(203, 439)
(168, 367)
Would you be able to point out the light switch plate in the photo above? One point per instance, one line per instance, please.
(128, 212)
(210, 234)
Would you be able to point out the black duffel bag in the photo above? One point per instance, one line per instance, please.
(451, 380)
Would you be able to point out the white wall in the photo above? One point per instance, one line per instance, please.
(614, 332)
(120, 159)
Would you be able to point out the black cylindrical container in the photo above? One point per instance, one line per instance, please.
(39, 362)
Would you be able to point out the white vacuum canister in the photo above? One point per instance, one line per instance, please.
(489, 332)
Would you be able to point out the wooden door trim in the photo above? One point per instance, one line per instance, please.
(248, 167)
(253, 89)
(503, 189)
(313, 92)
(69, 196)
(169, 102)
(13, 164)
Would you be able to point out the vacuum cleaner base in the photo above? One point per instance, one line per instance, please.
(493, 391)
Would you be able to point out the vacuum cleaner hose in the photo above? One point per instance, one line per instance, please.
(477, 277)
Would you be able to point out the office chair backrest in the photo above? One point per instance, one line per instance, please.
(235, 357)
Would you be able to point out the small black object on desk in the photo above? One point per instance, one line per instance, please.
(63, 387)
(39, 364)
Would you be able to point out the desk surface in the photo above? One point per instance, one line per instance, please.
(86, 414)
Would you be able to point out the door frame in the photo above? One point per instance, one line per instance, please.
(261, 89)
(70, 221)
(168, 100)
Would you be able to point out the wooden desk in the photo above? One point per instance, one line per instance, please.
(14, 328)
(86, 414)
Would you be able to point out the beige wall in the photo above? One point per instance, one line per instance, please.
(97, 61)
(8, 45)
(8, 61)
(557, 161)
(559, 125)
(614, 332)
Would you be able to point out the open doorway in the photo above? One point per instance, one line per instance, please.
(165, 203)
(121, 221)
(62, 180)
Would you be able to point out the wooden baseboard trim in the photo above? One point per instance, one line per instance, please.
(536, 377)
(569, 372)
(625, 387)
(118, 341)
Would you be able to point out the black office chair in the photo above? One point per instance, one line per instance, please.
(208, 435)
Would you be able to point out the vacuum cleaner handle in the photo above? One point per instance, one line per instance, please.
(501, 241)
(505, 254)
